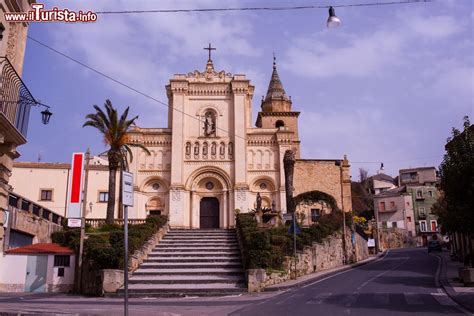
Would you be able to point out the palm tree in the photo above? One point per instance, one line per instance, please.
(115, 133)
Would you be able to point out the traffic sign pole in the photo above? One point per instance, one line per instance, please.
(127, 200)
(294, 239)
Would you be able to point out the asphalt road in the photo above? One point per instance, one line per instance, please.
(404, 282)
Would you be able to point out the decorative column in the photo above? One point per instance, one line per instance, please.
(225, 214)
(177, 91)
(289, 165)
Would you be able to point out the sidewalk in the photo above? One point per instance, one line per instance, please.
(449, 279)
(309, 278)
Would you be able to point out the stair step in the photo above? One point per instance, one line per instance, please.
(200, 239)
(190, 265)
(183, 287)
(185, 279)
(190, 259)
(187, 271)
(186, 245)
(193, 254)
(226, 250)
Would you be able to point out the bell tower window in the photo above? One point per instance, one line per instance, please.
(279, 124)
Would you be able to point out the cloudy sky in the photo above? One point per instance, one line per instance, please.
(387, 86)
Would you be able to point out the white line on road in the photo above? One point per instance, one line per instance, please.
(318, 300)
(345, 271)
(443, 299)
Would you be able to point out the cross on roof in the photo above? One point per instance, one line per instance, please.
(209, 49)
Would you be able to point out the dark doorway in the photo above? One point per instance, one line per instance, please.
(209, 210)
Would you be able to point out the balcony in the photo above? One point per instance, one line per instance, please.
(27, 217)
(422, 215)
(15, 103)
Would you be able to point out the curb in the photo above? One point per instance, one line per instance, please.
(443, 280)
(323, 275)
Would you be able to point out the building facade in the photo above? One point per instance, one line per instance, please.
(13, 112)
(210, 160)
(421, 185)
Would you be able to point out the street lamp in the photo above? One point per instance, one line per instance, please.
(45, 115)
(333, 20)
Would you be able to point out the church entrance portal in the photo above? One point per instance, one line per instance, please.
(209, 213)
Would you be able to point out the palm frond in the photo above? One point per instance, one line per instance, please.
(139, 146)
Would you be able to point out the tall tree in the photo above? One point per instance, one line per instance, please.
(456, 208)
(114, 130)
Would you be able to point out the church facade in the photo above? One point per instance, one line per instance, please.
(211, 161)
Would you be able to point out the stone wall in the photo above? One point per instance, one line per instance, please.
(318, 257)
(324, 176)
(141, 254)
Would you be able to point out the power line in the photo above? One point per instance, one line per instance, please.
(290, 8)
(394, 161)
(123, 84)
(174, 109)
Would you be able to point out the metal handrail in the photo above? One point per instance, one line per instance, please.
(16, 99)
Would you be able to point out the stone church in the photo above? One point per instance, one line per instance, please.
(212, 159)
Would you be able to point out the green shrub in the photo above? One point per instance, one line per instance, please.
(267, 248)
(105, 245)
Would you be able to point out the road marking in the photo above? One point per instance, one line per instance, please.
(318, 300)
(413, 299)
(443, 299)
(289, 298)
(345, 271)
(382, 273)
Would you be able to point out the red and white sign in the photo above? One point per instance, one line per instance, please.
(76, 178)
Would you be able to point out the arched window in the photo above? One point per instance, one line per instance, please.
(279, 124)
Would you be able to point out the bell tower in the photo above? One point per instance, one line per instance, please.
(277, 113)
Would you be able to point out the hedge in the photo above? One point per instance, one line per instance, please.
(105, 245)
(266, 248)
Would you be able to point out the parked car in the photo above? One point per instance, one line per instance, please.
(434, 245)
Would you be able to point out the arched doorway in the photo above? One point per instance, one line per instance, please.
(209, 213)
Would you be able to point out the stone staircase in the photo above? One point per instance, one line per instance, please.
(191, 263)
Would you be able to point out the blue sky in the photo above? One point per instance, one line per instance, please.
(388, 85)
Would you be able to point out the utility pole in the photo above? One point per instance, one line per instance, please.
(344, 246)
(125, 228)
(294, 241)
(127, 200)
(83, 220)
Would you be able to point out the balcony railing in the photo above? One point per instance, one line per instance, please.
(98, 222)
(30, 218)
(15, 98)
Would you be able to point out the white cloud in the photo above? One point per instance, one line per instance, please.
(339, 52)
(361, 56)
(433, 27)
(144, 50)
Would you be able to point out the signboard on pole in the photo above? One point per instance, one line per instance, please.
(74, 222)
(76, 178)
(127, 188)
(287, 217)
(371, 243)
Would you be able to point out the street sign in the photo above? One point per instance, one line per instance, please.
(287, 217)
(75, 186)
(74, 222)
(127, 188)
(371, 242)
(294, 229)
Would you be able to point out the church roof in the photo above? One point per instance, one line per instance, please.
(275, 88)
